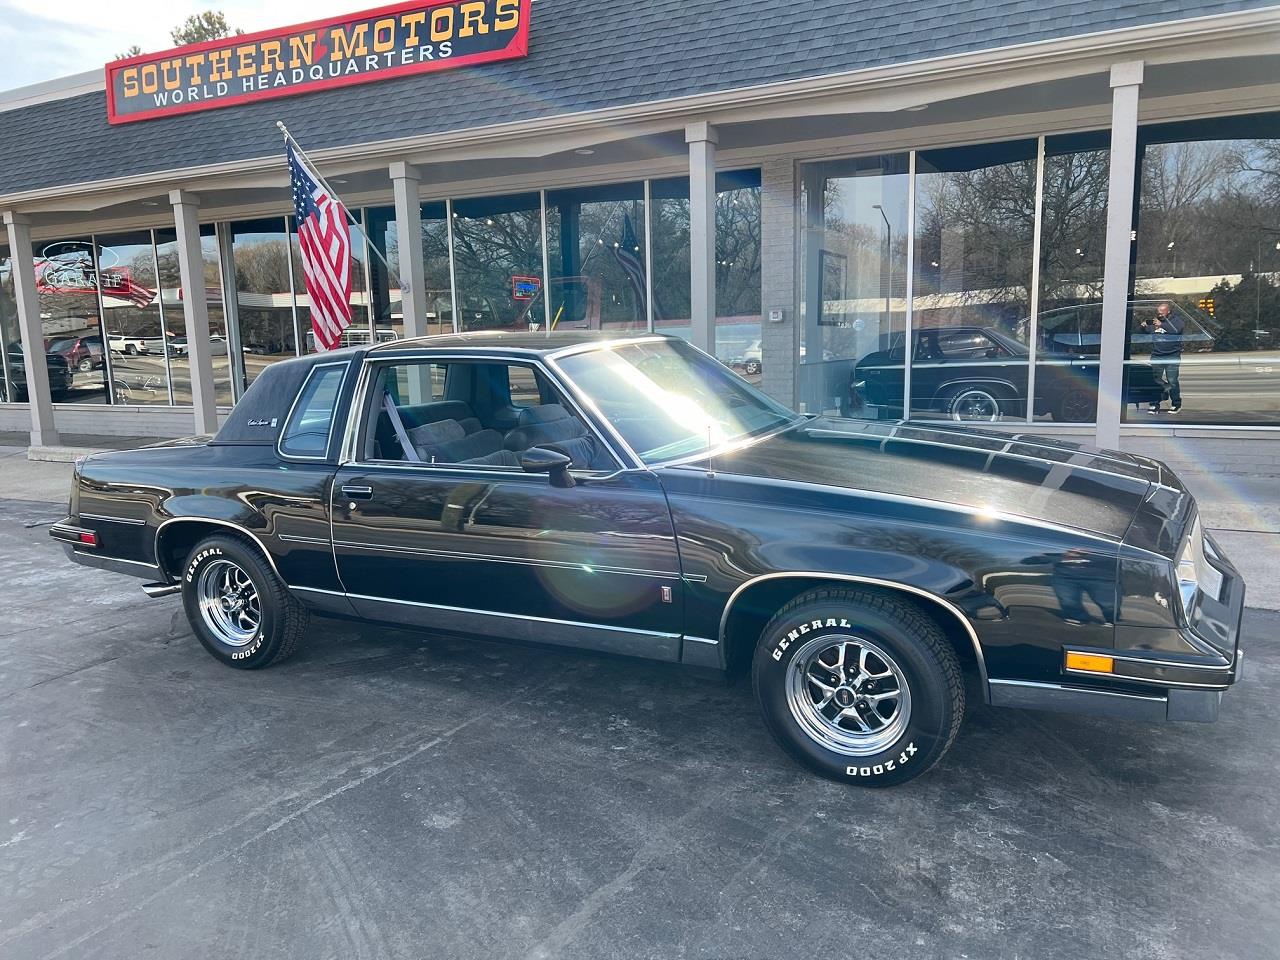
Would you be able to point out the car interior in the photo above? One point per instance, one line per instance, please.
(472, 413)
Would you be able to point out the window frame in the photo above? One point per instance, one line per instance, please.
(333, 420)
(360, 418)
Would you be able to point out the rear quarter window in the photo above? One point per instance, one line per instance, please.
(306, 434)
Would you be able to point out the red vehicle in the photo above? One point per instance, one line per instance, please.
(81, 353)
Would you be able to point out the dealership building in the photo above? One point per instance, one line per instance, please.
(967, 211)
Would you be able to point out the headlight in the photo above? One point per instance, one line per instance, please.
(1194, 572)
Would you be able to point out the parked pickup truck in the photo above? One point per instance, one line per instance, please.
(131, 345)
(635, 496)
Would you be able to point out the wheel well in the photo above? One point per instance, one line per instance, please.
(754, 608)
(177, 540)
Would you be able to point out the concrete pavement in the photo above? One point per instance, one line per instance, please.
(386, 794)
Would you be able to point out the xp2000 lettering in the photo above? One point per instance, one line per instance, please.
(634, 496)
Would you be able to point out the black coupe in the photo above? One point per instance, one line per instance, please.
(637, 497)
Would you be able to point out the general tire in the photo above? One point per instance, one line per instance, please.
(227, 629)
(974, 404)
(897, 637)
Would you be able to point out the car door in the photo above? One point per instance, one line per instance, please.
(489, 549)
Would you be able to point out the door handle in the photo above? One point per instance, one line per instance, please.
(352, 492)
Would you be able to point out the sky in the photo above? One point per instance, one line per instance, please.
(40, 40)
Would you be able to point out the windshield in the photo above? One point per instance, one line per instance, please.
(668, 400)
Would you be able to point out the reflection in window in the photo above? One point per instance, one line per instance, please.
(385, 292)
(738, 225)
(498, 262)
(975, 217)
(140, 340)
(172, 296)
(595, 244)
(12, 377)
(67, 286)
(1073, 237)
(1204, 324)
(264, 294)
(854, 251)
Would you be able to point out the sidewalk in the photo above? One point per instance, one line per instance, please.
(1241, 510)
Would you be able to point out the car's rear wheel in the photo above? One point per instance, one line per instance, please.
(974, 404)
(85, 365)
(1075, 406)
(858, 686)
(238, 607)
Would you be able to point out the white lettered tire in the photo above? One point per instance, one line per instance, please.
(859, 686)
(238, 608)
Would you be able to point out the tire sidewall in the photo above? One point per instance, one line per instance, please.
(921, 742)
(262, 649)
(954, 400)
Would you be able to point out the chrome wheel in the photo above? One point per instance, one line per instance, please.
(975, 405)
(848, 694)
(229, 603)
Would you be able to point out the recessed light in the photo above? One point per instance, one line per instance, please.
(917, 108)
(584, 151)
(151, 203)
(339, 180)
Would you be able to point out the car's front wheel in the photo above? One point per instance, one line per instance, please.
(859, 686)
(240, 610)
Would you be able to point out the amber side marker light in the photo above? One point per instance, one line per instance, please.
(1090, 662)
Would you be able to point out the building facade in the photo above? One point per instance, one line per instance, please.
(1063, 219)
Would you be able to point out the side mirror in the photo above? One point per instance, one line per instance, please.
(551, 462)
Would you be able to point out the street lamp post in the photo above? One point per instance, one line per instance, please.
(888, 260)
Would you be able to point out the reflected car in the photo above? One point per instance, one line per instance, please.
(980, 373)
(13, 388)
(635, 496)
(80, 353)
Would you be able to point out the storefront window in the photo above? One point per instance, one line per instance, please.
(595, 243)
(854, 252)
(264, 294)
(1073, 237)
(10, 335)
(172, 299)
(738, 321)
(141, 339)
(737, 327)
(498, 262)
(67, 285)
(1203, 341)
(975, 218)
(385, 290)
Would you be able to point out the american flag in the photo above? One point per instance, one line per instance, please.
(627, 252)
(326, 253)
(118, 283)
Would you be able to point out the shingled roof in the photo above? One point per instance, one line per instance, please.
(584, 55)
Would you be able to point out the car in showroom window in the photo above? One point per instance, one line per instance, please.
(634, 496)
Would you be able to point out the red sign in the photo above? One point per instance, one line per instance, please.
(354, 48)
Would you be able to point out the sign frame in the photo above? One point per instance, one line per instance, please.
(516, 48)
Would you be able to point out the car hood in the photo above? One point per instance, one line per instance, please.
(1049, 481)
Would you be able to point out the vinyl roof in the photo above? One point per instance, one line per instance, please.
(584, 55)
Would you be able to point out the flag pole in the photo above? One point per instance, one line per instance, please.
(369, 244)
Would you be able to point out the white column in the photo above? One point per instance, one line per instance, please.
(405, 184)
(779, 340)
(195, 309)
(1126, 78)
(43, 431)
(701, 138)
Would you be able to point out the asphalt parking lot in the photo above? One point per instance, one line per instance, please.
(386, 794)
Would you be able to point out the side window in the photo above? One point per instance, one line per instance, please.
(306, 434)
(524, 387)
(965, 345)
(486, 416)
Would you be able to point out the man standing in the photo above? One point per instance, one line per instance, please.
(1166, 355)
